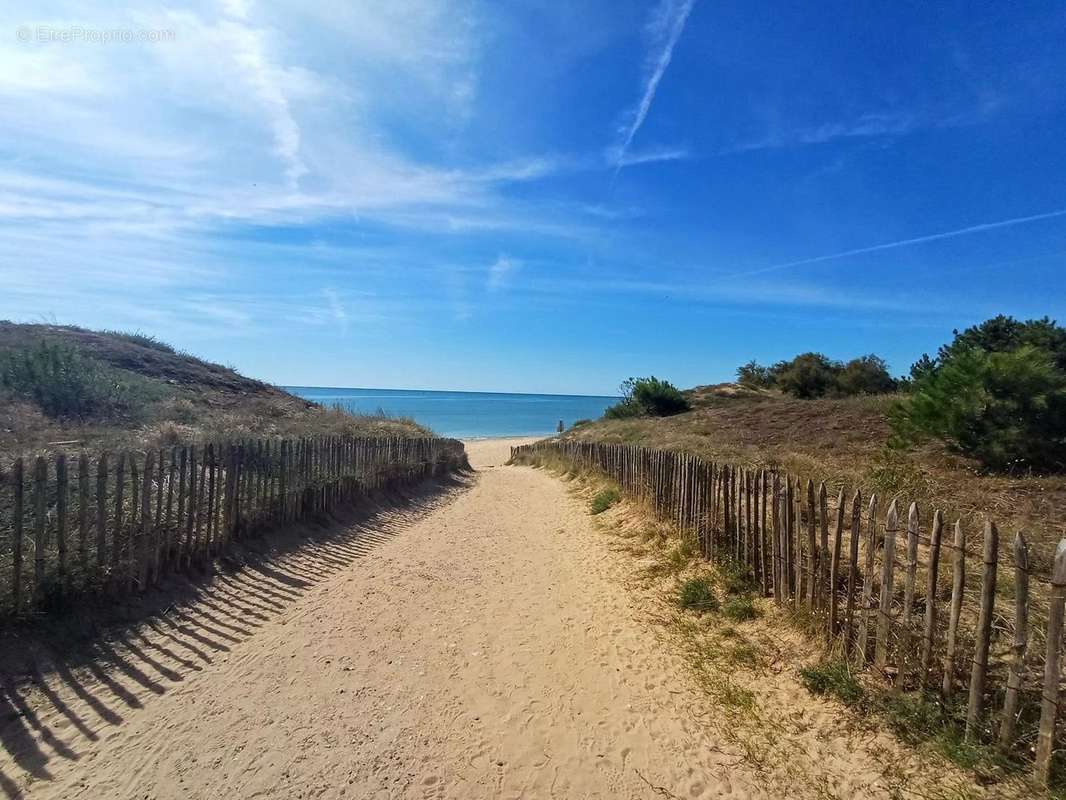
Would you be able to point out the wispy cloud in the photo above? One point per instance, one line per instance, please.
(336, 308)
(933, 237)
(501, 271)
(665, 28)
(868, 125)
(630, 159)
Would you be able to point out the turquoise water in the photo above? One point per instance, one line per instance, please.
(466, 415)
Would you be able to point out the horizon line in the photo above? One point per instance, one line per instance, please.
(445, 391)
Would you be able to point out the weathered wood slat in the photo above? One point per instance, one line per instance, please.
(983, 635)
(867, 582)
(932, 601)
(911, 570)
(884, 611)
(1018, 645)
(17, 533)
(958, 586)
(834, 565)
(1049, 698)
(853, 571)
(813, 594)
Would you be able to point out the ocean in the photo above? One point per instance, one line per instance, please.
(466, 415)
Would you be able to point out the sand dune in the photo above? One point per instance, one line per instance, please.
(481, 647)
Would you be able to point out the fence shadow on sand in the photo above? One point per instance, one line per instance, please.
(65, 683)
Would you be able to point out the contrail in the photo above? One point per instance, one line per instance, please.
(986, 226)
(671, 20)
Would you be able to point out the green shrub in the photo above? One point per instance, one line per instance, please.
(811, 375)
(647, 397)
(740, 608)
(737, 577)
(807, 375)
(604, 499)
(1004, 334)
(697, 594)
(755, 375)
(579, 422)
(622, 410)
(1006, 409)
(67, 384)
(864, 375)
(832, 678)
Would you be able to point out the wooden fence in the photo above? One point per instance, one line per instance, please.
(117, 522)
(872, 582)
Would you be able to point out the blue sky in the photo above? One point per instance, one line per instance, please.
(531, 196)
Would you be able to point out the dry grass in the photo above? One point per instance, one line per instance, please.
(845, 441)
(748, 670)
(192, 400)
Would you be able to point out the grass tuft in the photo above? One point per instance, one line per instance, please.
(736, 577)
(141, 338)
(833, 679)
(604, 499)
(740, 608)
(697, 594)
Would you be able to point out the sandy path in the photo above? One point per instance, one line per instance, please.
(481, 650)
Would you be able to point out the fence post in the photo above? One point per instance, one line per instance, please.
(853, 571)
(958, 586)
(61, 517)
(40, 528)
(984, 631)
(17, 534)
(144, 550)
(1049, 699)
(884, 612)
(116, 533)
(776, 533)
(813, 568)
(867, 581)
(1021, 638)
(907, 639)
(834, 564)
(931, 600)
(823, 585)
(83, 516)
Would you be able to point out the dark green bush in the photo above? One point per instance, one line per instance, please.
(697, 594)
(65, 383)
(647, 397)
(754, 375)
(812, 375)
(1006, 409)
(806, 376)
(864, 375)
(1004, 334)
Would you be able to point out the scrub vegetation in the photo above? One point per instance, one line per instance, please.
(114, 389)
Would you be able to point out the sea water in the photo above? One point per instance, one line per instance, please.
(466, 415)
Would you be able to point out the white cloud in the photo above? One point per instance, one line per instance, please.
(933, 237)
(652, 156)
(254, 112)
(501, 272)
(868, 125)
(665, 28)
